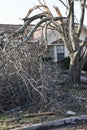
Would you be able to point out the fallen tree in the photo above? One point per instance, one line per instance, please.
(55, 123)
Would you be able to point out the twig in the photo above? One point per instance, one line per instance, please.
(38, 114)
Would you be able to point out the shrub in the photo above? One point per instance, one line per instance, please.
(66, 62)
(47, 59)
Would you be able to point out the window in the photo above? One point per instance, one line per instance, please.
(60, 53)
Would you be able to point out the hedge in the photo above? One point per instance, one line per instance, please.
(66, 62)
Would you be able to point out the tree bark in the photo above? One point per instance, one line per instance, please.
(55, 124)
(74, 71)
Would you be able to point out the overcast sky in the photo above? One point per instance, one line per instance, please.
(12, 10)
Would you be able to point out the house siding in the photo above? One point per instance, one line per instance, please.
(66, 54)
(55, 54)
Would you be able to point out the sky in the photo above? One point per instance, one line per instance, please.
(12, 11)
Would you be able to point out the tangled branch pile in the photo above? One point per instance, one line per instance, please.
(24, 78)
(19, 72)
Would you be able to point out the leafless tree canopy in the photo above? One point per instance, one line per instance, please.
(66, 26)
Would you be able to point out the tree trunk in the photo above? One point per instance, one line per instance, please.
(74, 71)
(62, 123)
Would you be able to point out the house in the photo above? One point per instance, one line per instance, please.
(10, 29)
(56, 48)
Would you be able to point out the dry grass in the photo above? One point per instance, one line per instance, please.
(9, 121)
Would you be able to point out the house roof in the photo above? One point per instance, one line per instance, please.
(38, 33)
(58, 41)
(9, 27)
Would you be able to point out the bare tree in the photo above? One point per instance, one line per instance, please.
(66, 27)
